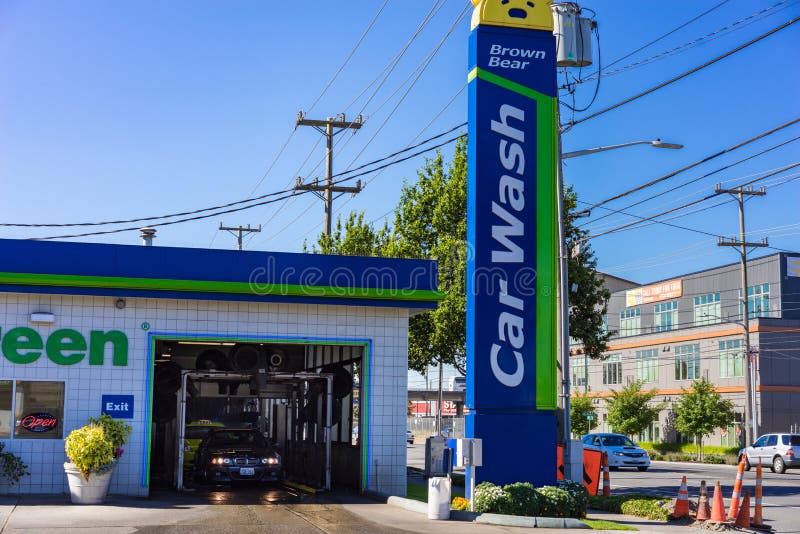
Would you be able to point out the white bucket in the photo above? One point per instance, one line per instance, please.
(439, 498)
(83, 491)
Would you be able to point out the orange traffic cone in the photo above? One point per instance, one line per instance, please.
(733, 513)
(703, 511)
(606, 477)
(682, 502)
(743, 519)
(717, 506)
(758, 520)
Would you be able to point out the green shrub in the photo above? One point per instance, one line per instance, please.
(488, 497)
(687, 457)
(713, 459)
(13, 468)
(116, 431)
(688, 448)
(579, 495)
(88, 448)
(557, 502)
(521, 499)
(647, 506)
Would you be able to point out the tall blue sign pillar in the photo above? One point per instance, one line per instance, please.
(512, 232)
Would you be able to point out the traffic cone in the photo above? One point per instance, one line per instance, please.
(733, 513)
(703, 512)
(743, 519)
(606, 477)
(758, 521)
(682, 502)
(717, 506)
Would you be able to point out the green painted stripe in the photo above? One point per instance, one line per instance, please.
(472, 74)
(546, 235)
(203, 286)
(364, 409)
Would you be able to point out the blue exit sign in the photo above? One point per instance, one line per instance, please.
(118, 406)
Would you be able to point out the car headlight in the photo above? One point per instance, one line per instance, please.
(227, 461)
(617, 453)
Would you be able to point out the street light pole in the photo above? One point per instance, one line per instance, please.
(563, 276)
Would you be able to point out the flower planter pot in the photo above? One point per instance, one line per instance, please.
(87, 491)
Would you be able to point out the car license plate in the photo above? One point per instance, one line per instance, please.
(247, 471)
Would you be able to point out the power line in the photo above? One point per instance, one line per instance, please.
(694, 180)
(692, 203)
(683, 75)
(695, 164)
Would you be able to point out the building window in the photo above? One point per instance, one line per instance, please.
(612, 369)
(578, 368)
(630, 322)
(651, 433)
(666, 316)
(707, 309)
(38, 410)
(731, 359)
(687, 362)
(647, 365)
(6, 396)
(757, 301)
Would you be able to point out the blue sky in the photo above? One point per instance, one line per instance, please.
(123, 109)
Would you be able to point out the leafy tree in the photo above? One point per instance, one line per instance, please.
(590, 302)
(629, 410)
(701, 410)
(430, 221)
(579, 407)
(355, 238)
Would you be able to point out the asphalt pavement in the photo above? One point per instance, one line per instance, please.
(781, 492)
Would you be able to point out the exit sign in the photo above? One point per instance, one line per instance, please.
(118, 406)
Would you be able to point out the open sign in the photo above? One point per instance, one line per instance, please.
(39, 422)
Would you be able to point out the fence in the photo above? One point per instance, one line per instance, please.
(422, 427)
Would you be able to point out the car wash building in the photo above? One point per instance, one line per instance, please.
(311, 350)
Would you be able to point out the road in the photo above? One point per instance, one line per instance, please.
(781, 492)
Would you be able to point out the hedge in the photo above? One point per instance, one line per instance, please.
(688, 448)
(647, 506)
(568, 499)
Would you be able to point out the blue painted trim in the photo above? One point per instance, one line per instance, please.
(152, 337)
(135, 293)
(171, 263)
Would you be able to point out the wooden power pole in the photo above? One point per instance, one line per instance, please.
(329, 128)
(750, 415)
(238, 231)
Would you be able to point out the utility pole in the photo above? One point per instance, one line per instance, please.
(238, 231)
(750, 429)
(329, 128)
(439, 406)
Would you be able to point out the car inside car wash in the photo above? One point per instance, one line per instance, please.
(302, 356)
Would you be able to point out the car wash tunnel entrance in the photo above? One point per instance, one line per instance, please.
(302, 397)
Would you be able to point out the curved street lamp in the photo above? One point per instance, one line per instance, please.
(657, 143)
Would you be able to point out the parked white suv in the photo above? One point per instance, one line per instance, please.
(778, 451)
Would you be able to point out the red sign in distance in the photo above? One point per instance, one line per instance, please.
(39, 422)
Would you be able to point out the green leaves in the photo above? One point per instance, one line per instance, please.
(629, 410)
(701, 410)
(580, 408)
(88, 448)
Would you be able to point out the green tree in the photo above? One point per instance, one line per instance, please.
(629, 409)
(580, 410)
(354, 238)
(430, 221)
(589, 302)
(701, 410)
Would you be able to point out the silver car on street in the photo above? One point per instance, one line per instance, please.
(778, 451)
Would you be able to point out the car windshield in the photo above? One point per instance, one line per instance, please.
(617, 441)
(198, 432)
(237, 438)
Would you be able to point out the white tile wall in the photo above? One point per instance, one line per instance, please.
(387, 328)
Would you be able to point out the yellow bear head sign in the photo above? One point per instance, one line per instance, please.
(527, 14)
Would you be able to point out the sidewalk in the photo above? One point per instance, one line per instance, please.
(184, 514)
